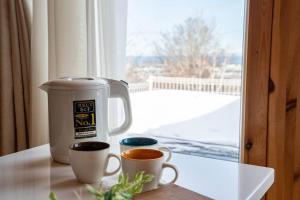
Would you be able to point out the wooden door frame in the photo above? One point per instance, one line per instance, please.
(257, 62)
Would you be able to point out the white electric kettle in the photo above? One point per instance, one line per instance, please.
(78, 111)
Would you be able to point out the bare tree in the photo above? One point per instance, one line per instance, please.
(186, 49)
(133, 75)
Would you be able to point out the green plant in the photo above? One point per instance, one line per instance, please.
(123, 190)
(52, 196)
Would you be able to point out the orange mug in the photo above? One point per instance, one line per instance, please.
(151, 161)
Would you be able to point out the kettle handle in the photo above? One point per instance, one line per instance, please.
(119, 89)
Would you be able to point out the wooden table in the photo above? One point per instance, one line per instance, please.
(31, 174)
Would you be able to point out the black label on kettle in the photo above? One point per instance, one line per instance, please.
(84, 113)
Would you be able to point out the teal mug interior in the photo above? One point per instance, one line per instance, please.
(138, 141)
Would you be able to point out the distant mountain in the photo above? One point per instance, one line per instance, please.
(142, 60)
(150, 60)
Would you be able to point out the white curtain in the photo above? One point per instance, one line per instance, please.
(106, 25)
(74, 38)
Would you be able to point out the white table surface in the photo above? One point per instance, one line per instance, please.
(31, 174)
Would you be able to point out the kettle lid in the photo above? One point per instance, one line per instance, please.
(75, 83)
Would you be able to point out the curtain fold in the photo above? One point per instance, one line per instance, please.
(15, 76)
(39, 71)
(106, 43)
(67, 38)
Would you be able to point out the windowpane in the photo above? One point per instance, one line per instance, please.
(184, 68)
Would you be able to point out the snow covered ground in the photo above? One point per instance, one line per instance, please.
(189, 122)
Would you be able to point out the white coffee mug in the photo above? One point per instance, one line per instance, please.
(89, 161)
(150, 161)
(143, 143)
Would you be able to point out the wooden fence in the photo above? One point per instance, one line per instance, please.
(219, 86)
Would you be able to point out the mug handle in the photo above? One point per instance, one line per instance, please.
(168, 165)
(167, 150)
(110, 155)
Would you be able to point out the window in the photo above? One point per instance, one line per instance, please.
(184, 68)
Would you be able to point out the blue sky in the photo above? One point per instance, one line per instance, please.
(147, 19)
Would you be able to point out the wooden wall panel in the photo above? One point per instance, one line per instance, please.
(272, 119)
(283, 131)
(296, 187)
(258, 43)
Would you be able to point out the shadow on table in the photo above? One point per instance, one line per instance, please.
(64, 183)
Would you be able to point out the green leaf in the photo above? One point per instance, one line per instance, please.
(52, 196)
(122, 196)
(98, 194)
(124, 189)
(134, 187)
(108, 195)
